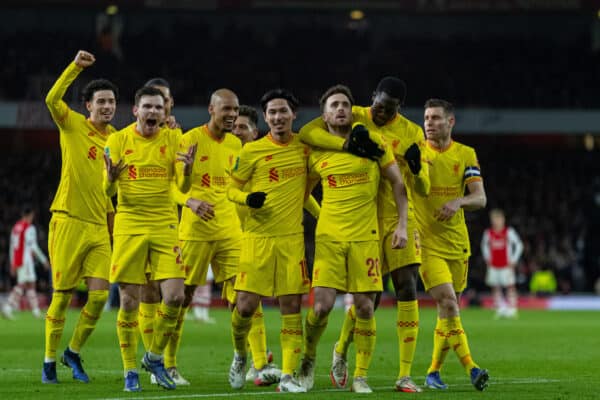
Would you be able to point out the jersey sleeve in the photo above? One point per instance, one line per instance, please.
(388, 156)
(244, 166)
(242, 172)
(485, 246)
(315, 134)
(32, 243)
(59, 110)
(472, 170)
(515, 246)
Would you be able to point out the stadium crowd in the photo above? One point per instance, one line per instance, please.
(487, 70)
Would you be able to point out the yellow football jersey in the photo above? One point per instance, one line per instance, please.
(350, 185)
(210, 178)
(450, 171)
(79, 192)
(144, 188)
(280, 171)
(399, 133)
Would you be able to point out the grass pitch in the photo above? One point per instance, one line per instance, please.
(542, 355)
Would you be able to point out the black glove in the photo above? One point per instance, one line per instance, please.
(256, 199)
(413, 158)
(360, 144)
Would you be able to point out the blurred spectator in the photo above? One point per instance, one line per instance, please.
(543, 282)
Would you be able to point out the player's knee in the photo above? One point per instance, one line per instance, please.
(174, 299)
(322, 309)
(406, 290)
(245, 309)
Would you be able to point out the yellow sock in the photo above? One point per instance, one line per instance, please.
(346, 334)
(291, 342)
(457, 338)
(175, 340)
(240, 327)
(257, 339)
(407, 327)
(147, 316)
(55, 322)
(166, 319)
(127, 332)
(440, 346)
(364, 337)
(89, 316)
(313, 330)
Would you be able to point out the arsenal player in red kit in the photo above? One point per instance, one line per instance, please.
(501, 248)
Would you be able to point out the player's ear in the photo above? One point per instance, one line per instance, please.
(135, 110)
(451, 121)
(88, 106)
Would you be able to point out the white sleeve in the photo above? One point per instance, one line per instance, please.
(11, 249)
(485, 246)
(32, 243)
(515, 246)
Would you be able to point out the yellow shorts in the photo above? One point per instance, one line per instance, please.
(273, 266)
(132, 254)
(228, 292)
(222, 255)
(393, 259)
(436, 270)
(351, 267)
(77, 249)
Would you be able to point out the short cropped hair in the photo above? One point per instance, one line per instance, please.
(158, 82)
(26, 209)
(250, 112)
(393, 86)
(279, 94)
(446, 105)
(147, 91)
(96, 85)
(343, 89)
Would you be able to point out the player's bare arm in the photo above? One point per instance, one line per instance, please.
(400, 235)
(473, 201)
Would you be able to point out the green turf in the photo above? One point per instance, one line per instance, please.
(542, 355)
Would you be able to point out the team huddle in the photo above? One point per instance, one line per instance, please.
(393, 203)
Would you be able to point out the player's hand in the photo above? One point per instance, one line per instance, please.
(188, 159)
(448, 210)
(201, 208)
(413, 158)
(13, 273)
(172, 123)
(46, 265)
(399, 238)
(83, 59)
(360, 144)
(113, 171)
(256, 199)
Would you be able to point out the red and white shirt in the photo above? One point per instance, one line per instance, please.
(501, 248)
(24, 245)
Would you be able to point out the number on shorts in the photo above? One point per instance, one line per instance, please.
(373, 264)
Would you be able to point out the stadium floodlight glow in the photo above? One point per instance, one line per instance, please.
(357, 15)
(112, 9)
